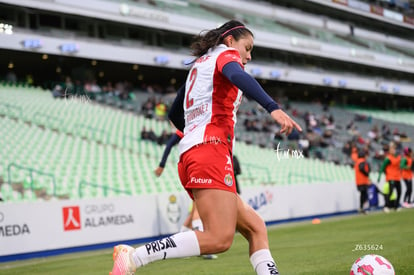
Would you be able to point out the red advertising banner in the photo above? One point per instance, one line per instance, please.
(71, 218)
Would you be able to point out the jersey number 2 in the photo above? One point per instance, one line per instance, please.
(189, 102)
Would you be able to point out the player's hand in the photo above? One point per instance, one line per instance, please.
(159, 171)
(286, 123)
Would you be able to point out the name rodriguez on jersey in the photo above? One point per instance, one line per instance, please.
(197, 112)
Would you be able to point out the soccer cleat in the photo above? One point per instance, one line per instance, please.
(123, 262)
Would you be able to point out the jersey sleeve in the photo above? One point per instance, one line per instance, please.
(226, 57)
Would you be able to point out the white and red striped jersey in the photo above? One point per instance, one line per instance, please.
(211, 100)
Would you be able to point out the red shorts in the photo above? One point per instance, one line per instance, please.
(207, 166)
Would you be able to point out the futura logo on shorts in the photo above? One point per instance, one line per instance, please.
(201, 180)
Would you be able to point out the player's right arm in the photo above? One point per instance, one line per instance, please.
(173, 140)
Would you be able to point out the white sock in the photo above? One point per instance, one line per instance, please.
(180, 245)
(263, 263)
(197, 225)
(184, 228)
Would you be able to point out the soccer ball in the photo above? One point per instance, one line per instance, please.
(373, 265)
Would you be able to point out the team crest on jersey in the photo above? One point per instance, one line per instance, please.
(228, 180)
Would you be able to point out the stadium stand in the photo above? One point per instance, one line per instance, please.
(69, 146)
(55, 155)
(402, 117)
(66, 148)
(90, 145)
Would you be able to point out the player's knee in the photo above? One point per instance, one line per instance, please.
(223, 243)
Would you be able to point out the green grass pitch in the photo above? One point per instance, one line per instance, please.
(298, 248)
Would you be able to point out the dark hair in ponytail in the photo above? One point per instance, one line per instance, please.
(214, 37)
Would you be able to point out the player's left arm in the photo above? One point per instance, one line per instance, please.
(176, 113)
(245, 82)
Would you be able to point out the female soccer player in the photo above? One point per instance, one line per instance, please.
(206, 112)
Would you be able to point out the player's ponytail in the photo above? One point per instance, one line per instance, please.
(214, 37)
